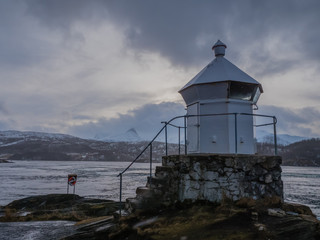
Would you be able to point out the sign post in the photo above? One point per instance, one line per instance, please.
(72, 180)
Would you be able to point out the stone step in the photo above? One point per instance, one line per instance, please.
(164, 168)
(145, 203)
(144, 191)
(132, 204)
(156, 182)
(163, 171)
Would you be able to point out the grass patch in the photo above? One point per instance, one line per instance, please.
(92, 220)
(9, 214)
(201, 222)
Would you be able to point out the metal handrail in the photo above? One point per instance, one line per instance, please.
(274, 122)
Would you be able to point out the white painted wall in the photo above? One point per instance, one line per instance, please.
(193, 140)
(216, 134)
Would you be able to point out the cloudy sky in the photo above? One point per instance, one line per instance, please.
(104, 66)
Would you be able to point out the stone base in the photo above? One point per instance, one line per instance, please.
(215, 178)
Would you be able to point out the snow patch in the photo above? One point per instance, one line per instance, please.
(10, 144)
(28, 134)
(282, 139)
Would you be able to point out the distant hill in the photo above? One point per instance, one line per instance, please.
(17, 145)
(303, 153)
(282, 139)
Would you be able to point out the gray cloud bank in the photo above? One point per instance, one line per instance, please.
(300, 122)
(183, 30)
(79, 66)
(145, 119)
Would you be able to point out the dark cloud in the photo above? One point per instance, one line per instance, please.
(20, 44)
(63, 14)
(3, 126)
(3, 108)
(267, 37)
(7, 124)
(104, 100)
(145, 119)
(184, 30)
(302, 122)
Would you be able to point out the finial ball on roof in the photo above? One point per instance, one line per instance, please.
(219, 48)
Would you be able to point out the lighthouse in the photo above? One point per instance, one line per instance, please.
(219, 161)
(220, 100)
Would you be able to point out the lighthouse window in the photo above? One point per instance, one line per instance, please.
(256, 95)
(241, 91)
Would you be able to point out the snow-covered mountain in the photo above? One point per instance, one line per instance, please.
(16, 145)
(12, 137)
(282, 139)
(29, 134)
(129, 136)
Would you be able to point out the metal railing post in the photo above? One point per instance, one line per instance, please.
(275, 136)
(179, 139)
(236, 133)
(185, 135)
(150, 165)
(166, 137)
(120, 200)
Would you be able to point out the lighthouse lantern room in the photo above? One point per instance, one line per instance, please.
(220, 101)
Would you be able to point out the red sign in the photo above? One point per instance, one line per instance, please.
(72, 179)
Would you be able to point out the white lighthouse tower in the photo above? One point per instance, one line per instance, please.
(222, 96)
(219, 125)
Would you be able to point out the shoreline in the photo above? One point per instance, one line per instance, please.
(99, 161)
(98, 219)
(56, 207)
(5, 161)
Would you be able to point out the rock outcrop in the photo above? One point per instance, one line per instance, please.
(4, 161)
(245, 219)
(267, 218)
(57, 207)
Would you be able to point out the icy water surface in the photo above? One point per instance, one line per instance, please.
(95, 179)
(302, 185)
(99, 180)
(48, 230)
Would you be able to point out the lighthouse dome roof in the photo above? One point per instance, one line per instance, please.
(220, 70)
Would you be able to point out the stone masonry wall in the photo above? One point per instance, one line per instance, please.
(212, 177)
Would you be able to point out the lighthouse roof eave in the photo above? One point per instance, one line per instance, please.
(221, 70)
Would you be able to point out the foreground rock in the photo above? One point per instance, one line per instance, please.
(4, 161)
(244, 219)
(57, 207)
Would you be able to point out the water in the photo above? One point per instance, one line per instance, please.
(99, 180)
(302, 185)
(95, 179)
(49, 230)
